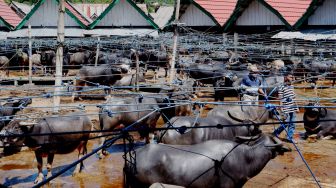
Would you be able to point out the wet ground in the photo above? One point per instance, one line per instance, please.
(19, 170)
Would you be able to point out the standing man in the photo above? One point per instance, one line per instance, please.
(251, 86)
(288, 107)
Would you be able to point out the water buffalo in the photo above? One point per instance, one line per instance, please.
(3, 62)
(49, 145)
(130, 80)
(141, 110)
(313, 124)
(80, 58)
(242, 113)
(11, 108)
(106, 58)
(153, 60)
(65, 68)
(225, 86)
(206, 74)
(232, 115)
(23, 59)
(106, 74)
(214, 163)
(46, 59)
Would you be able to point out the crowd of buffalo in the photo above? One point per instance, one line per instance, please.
(229, 153)
(226, 155)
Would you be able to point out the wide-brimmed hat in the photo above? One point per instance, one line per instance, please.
(253, 68)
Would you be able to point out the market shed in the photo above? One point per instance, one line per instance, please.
(205, 13)
(8, 18)
(321, 14)
(123, 14)
(45, 14)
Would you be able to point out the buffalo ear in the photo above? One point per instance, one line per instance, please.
(323, 112)
(117, 70)
(27, 128)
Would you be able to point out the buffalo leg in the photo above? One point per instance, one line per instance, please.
(106, 125)
(101, 152)
(39, 160)
(78, 86)
(49, 164)
(81, 152)
(328, 131)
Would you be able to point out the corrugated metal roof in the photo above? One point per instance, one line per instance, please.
(70, 10)
(143, 7)
(8, 15)
(133, 4)
(221, 10)
(310, 35)
(163, 15)
(77, 13)
(23, 7)
(290, 10)
(90, 9)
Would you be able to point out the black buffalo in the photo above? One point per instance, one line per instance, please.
(50, 144)
(106, 75)
(214, 163)
(314, 124)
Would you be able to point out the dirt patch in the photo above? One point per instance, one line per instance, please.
(19, 170)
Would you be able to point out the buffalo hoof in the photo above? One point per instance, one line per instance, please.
(100, 155)
(49, 175)
(104, 152)
(39, 178)
(312, 138)
(75, 173)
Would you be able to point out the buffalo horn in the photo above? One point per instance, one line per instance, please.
(277, 140)
(248, 137)
(234, 118)
(273, 145)
(26, 123)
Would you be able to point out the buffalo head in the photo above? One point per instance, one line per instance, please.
(124, 68)
(12, 136)
(268, 141)
(44, 56)
(314, 111)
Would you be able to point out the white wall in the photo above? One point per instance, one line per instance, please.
(47, 15)
(195, 17)
(257, 14)
(123, 14)
(324, 14)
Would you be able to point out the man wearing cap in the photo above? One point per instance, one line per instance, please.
(251, 86)
(288, 107)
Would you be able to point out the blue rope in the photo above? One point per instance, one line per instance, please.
(291, 140)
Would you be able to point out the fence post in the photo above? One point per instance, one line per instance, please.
(137, 70)
(30, 55)
(173, 59)
(97, 52)
(59, 56)
(235, 43)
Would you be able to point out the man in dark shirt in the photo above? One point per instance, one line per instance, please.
(251, 87)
